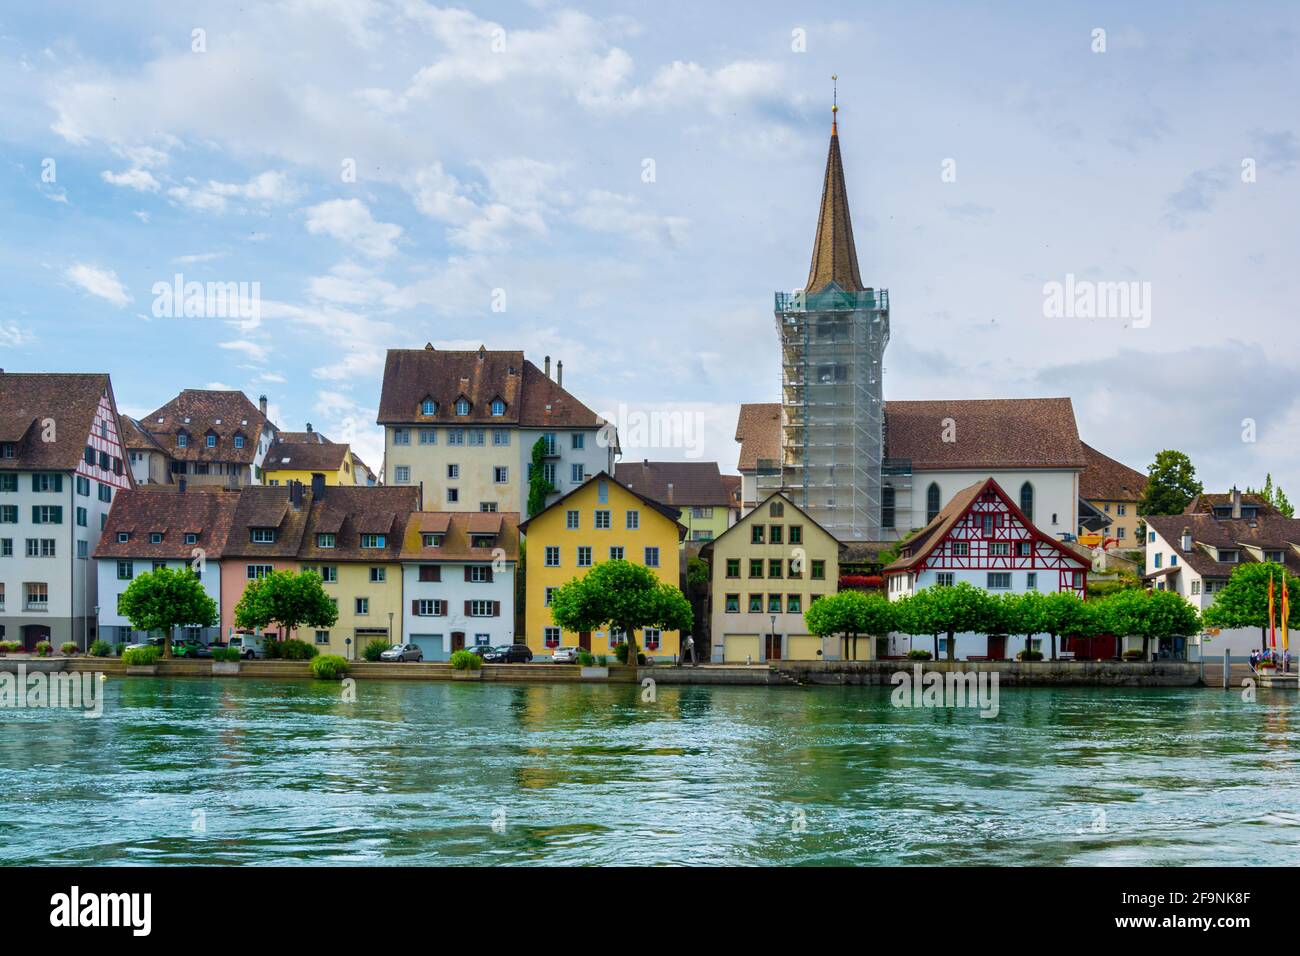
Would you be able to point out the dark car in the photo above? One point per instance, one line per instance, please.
(508, 654)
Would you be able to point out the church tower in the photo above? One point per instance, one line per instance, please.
(833, 334)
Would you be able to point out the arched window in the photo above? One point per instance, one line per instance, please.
(887, 506)
(1027, 500)
(932, 502)
(462, 406)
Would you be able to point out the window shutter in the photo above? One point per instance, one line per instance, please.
(440, 608)
(467, 578)
(57, 514)
(437, 572)
(415, 607)
(36, 514)
(58, 482)
(467, 608)
(496, 608)
(489, 572)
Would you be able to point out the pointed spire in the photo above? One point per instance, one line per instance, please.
(835, 257)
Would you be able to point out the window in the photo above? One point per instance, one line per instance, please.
(453, 472)
(774, 604)
(732, 605)
(986, 524)
(428, 407)
(7, 450)
(733, 567)
(373, 541)
(944, 579)
(1151, 537)
(796, 568)
(125, 570)
(819, 570)
(378, 575)
(500, 436)
(616, 552)
(402, 474)
(6, 547)
(123, 537)
(105, 493)
(777, 509)
(774, 567)
(431, 540)
(328, 574)
(887, 506)
(932, 502)
(999, 580)
(1027, 500)
(633, 520)
(584, 556)
(362, 605)
(40, 548)
(45, 482)
(500, 474)
(652, 557)
(1121, 510)
(477, 436)
(1024, 548)
(756, 604)
(182, 440)
(155, 537)
(755, 567)
(961, 549)
(579, 441)
(479, 573)
(775, 534)
(462, 407)
(322, 637)
(757, 534)
(1031, 581)
(1273, 556)
(1159, 556)
(263, 536)
(211, 441)
(551, 636)
(571, 519)
(552, 556)
(546, 599)
(401, 436)
(1228, 556)
(1173, 560)
(650, 637)
(482, 608)
(8, 514)
(9, 482)
(256, 571)
(430, 608)
(83, 549)
(239, 443)
(793, 604)
(548, 443)
(1196, 586)
(453, 496)
(999, 549)
(83, 518)
(1121, 533)
(577, 472)
(602, 520)
(36, 596)
(325, 540)
(1076, 579)
(796, 534)
(498, 407)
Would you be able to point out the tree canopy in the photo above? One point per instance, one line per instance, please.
(1243, 601)
(623, 596)
(168, 598)
(1275, 496)
(849, 614)
(953, 610)
(287, 599)
(1171, 484)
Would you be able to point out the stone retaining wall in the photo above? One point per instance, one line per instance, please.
(1010, 673)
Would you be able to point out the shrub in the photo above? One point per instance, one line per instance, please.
(141, 656)
(68, 647)
(228, 655)
(7, 646)
(374, 649)
(101, 648)
(329, 667)
(620, 652)
(296, 650)
(1133, 655)
(1029, 655)
(586, 658)
(918, 655)
(602, 660)
(43, 648)
(465, 661)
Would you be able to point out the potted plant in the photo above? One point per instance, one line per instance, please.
(7, 646)
(593, 668)
(68, 648)
(1029, 655)
(225, 661)
(44, 648)
(466, 666)
(142, 660)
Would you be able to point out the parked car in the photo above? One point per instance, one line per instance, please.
(149, 642)
(482, 650)
(403, 652)
(188, 648)
(248, 645)
(509, 654)
(566, 655)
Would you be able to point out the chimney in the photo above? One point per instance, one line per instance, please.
(1187, 539)
(295, 494)
(309, 428)
(670, 492)
(559, 373)
(261, 404)
(317, 486)
(1236, 502)
(547, 367)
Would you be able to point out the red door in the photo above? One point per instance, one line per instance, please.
(773, 647)
(457, 641)
(584, 640)
(997, 646)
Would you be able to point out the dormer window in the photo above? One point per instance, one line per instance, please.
(263, 536)
(369, 541)
(498, 407)
(432, 540)
(462, 406)
(428, 407)
(324, 540)
(239, 441)
(7, 450)
(182, 440)
(191, 537)
(1229, 556)
(123, 537)
(483, 541)
(155, 537)
(1274, 556)
(210, 440)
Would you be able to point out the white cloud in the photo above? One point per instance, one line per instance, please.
(102, 283)
(14, 335)
(349, 221)
(267, 189)
(140, 180)
(255, 351)
(605, 211)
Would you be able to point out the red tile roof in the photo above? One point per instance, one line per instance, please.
(207, 512)
(363, 510)
(1268, 532)
(68, 400)
(1105, 479)
(456, 545)
(198, 411)
(305, 456)
(758, 429)
(683, 483)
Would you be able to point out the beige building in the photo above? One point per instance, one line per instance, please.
(1114, 490)
(766, 571)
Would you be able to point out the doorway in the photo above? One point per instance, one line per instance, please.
(457, 641)
(997, 646)
(772, 647)
(584, 640)
(33, 634)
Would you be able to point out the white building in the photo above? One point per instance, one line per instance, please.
(458, 580)
(983, 538)
(463, 425)
(61, 464)
(157, 526)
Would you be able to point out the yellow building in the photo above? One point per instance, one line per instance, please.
(1114, 490)
(767, 569)
(298, 456)
(595, 522)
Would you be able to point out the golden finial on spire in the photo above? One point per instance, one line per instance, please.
(835, 100)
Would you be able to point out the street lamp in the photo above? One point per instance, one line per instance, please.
(390, 627)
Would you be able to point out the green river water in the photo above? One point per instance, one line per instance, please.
(190, 771)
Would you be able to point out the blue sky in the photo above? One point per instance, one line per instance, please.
(503, 146)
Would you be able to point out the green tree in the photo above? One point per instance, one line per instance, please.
(166, 599)
(1149, 615)
(1023, 614)
(538, 485)
(850, 614)
(287, 599)
(954, 610)
(623, 596)
(1171, 484)
(916, 619)
(1275, 496)
(1243, 601)
(1064, 613)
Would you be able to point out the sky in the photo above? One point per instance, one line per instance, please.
(624, 186)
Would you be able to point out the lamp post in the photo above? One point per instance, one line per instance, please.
(390, 627)
(772, 635)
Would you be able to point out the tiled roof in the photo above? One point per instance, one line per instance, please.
(226, 413)
(732, 483)
(363, 510)
(457, 528)
(262, 506)
(305, 456)
(531, 398)
(1105, 479)
(135, 438)
(693, 483)
(669, 512)
(69, 400)
(1206, 503)
(835, 257)
(758, 429)
(207, 512)
(1270, 532)
(300, 437)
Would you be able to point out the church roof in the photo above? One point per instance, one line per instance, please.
(1105, 479)
(835, 257)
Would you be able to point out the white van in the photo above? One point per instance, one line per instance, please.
(248, 645)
